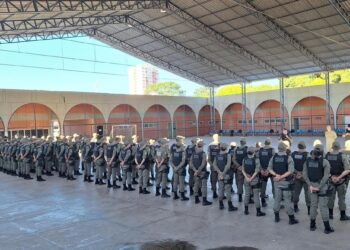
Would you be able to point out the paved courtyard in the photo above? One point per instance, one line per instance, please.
(61, 214)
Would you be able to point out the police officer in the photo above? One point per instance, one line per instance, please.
(178, 163)
(61, 157)
(133, 153)
(87, 152)
(126, 161)
(76, 149)
(100, 161)
(49, 155)
(316, 172)
(281, 167)
(339, 170)
(231, 151)
(38, 159)
(299, 157)
(162, 163)
(222, 165)
(26, 156)
(250, 171)
(265, 154)
(213, 151)
(70, 161)
(198, 165)
(240, 154)
(189, 151)
(111, 155)
(142, 160)
(152, 148)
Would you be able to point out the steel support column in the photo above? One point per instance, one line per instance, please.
(244, 110)
(328, 100)
(282, 104)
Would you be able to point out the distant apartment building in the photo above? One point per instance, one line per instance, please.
(140, 77)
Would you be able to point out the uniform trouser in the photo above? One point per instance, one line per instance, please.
(48, 166)
(264, 182)
(319, 200)
(143, 177)
(254, 187)
(213, 178)
(27, 166)
(87, 168)
(341, 191)
(76, 165)
(179, 182)
(14, 165)
(281, 189)
(191, 180)
(200, 182)
(112, 171)
(162, 178)
(100, 169)
(62, 167)
(70, 168)
(127, 174)
(239, 181)
(134, 171)
(1, 163)
(299, 185)
(39, 168)
(151, 169)
(225, 188)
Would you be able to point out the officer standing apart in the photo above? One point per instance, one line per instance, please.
(240, 154)
(339, 170)
(281, 167)
(177, 162)
(316, 173)
(222, 166)
(250, 170)
(213, 151)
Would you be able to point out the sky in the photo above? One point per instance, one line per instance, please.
(24, 66)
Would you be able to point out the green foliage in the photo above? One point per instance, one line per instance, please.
(165, 88)
(202, 92)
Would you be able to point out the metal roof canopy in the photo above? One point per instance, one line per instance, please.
(207, 41)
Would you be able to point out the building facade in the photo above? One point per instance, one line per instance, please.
(140, 77)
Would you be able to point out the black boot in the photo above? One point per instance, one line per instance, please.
(183, 197)
(120, 179)
(49, 174)
(39, 178)
(221, 206)
(296, 208)
(145, 191)
(215, 195)
(292, 220)
(64, 175)
(205, 202)
(76, 172)
(115, 186)
(199, 192)
(140, 190)
(259, 213)
(312, 225)
(327, 228)
(246, 211)
(330, 213)
(251, 200)
(164, 194)
(134, 182)
(72, 178)
(263, 202)
(277, 217)
(240, 198)
(231, 207)
(101, 182)
(125, 187)
(85, 178)
(157, 191)
(130, 188)
(196, 200)
(89, 179)
(68, 177)
(191, 191)
(28, 177)
(175, 195)
(149, 184)
(308, 210)
(343, 216)
(104, 175)
(109, 184)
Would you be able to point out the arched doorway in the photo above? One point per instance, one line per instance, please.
(157, 122)
(343, 113)
(185, 121)
(128, 119)
(2, 128)
(33, 119)
(204, 120)
(232, 118)
(267, 117)
(83, 119)
(309, 115)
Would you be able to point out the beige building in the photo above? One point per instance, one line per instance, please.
(140, 77)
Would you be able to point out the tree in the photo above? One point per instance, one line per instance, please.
(234, 89)
(165, 88)
(201, 92)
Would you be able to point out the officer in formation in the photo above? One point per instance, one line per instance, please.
(322, 176)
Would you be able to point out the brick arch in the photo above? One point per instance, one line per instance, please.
(125, 114)
(185, 121)
(232, 117)
(267, 116)
(343, 110)
(83, 119)
(157, 122)
(33, 119)
(204, 122)
(310, 113)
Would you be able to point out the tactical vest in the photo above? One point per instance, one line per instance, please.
(87, 153)
(299, 160)
(280, 164)
(221, 161)
(241, 153)
(139, 155)
(336, 162)
(109, 151)
(249, 165)
(95, 151)
(265, 155)
(315, 169)
(214, 152)
(197, 159)
(177, 157)
(123, 155)
(189, 151)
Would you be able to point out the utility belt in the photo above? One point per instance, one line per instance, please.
(342, 181)
(290, 186)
